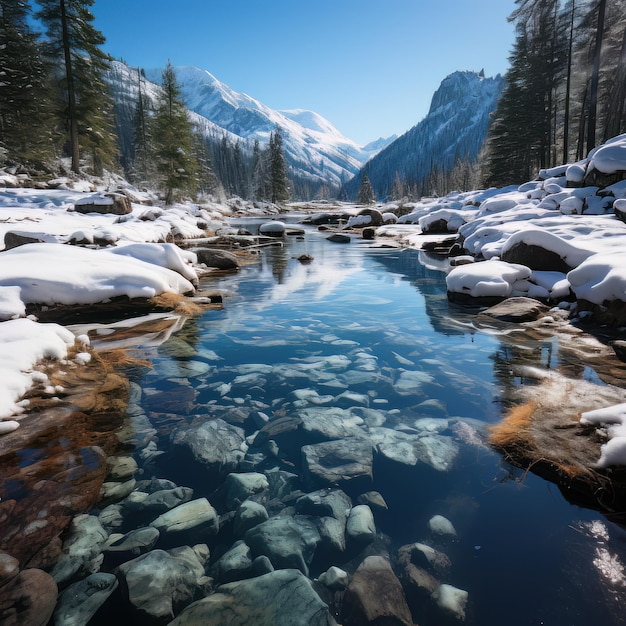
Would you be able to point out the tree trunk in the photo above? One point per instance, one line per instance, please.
(568, 86)
(71, 94)
(595, 78)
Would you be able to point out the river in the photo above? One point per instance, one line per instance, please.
(370, 331)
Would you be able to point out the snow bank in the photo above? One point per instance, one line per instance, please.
(62, 274)
(487, 279)
(614, 419)
(22, 344)
(601, 278)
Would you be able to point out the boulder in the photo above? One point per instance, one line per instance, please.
(235, 564)
(14, 240)
(280, 597)
(287, 542)
(338, 238)
(451, 600)
(158, 585)
(240, 487)
(148, 505)
(29, 599)
(517, 310)
(80, 601)
(248, 515)
(132, 544)
(535, 257)
(215, 444)
(219, 259)
(107, 203)
(325, 502)
(334, 578)
(82, 550)
(376, 217)
(374, 596)
(360, 527)
(343, 463)
(442, 526)
(196, 518)
(425, 557)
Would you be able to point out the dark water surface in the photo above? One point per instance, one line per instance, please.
(294, 335)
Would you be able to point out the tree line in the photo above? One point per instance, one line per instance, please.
(565, 89)
(55, 102)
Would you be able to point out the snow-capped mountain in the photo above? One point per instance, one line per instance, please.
(313, 147)
(454, 128)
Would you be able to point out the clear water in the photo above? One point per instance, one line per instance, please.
(525, 555)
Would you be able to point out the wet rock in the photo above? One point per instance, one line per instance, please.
(286, 542)
(360, 527)
(374, 596)
(121, 467)
(281, 483)
(113, 491)
(452, 600)
(325, 503)
(321, 424)
(280, 597)
(334, 578)
(80, 601)
(215, 444)
(158, 585)
(332, 533)
(82, 550)
(235, 564)
(240, 487)
(338, 238)
(195, 557)
(343, 463)
(29, 599)
(418, 582)
(439, 525)
(219, 259)
(373, 499)
(411, 382)
(196, 518)
(150, 504)
(132, 544)
(9, 568)
(515, 310)
(425, 557)
(248, 515)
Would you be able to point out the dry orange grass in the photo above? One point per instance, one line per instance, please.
(177, 303)
(514, 428)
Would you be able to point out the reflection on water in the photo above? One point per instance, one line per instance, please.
(371, 333)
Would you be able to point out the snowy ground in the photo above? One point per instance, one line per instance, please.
(52, 273)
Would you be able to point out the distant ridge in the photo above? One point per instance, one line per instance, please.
(454, 128)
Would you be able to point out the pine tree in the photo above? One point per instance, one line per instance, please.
(74, 43)
(366, 191)
(26, 125)
(277, 168)
(173, 140)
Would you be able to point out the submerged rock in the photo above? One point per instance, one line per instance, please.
(360, 526)
(80, 601)
(215, 444)
(196, 517)
(158, 585)
(439, 525)
(29, 599)
(289, 544)
(451, 600)
(82, 550)
(281, 597)
(343, 463)
(375, 596)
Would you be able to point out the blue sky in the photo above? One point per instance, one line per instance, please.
(369, 66)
